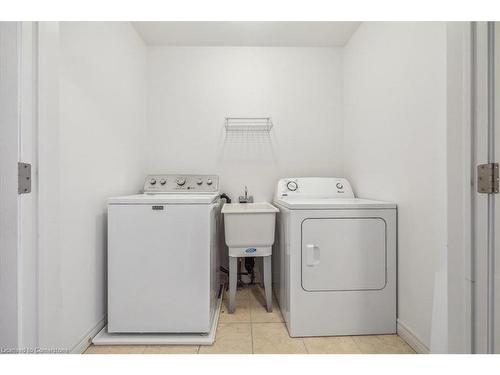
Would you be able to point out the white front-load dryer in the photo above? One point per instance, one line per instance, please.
(334, 261)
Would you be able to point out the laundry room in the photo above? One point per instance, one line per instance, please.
(147, 98)
(249, 187)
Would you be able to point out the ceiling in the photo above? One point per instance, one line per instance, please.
(229, 33)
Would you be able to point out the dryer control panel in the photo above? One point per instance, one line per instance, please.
(314, 187)
(181, 183)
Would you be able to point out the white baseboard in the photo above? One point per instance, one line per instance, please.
(87, 339)
(411, 338)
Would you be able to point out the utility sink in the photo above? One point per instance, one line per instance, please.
(249, 228)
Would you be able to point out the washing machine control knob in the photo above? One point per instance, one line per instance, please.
(163, 181)
(339, 185)
(209, 182)
(152, 181)
(200, 181)
(292, 185)
(180, 181)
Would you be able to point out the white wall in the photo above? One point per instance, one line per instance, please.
(192, 89)
(101, 136)
(395, 149)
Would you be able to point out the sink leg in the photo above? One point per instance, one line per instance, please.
(268, 283)
(261, 271)
(233, 276)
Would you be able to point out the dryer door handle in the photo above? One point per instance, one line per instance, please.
(312, 255)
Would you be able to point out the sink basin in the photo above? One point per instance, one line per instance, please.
(249, 228)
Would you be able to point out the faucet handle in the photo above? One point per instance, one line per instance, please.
(246, 198)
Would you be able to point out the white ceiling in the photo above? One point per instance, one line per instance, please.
(303, 34)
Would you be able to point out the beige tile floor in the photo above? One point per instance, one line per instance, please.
(251, 329)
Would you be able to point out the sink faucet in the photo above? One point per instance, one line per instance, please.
(246, 198)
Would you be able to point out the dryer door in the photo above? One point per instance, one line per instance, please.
(340, 254)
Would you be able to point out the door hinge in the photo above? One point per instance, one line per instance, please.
(487, 178)
(23, 178)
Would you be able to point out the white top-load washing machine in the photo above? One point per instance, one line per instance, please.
(163, 256)
(334, 260)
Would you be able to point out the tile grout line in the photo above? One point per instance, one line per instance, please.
(356, 345)
(251, 336)
(251, 320)
(303, 343)
(249, 304)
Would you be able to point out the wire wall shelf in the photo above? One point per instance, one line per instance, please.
(248, 124)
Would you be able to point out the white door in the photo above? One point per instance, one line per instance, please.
(18, 263)
(340, 254)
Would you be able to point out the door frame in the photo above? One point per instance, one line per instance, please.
(29, 234)
(467, 211)
(483, 205)
(469, 214)
(18, 212)
(49, 270)
(9, 223)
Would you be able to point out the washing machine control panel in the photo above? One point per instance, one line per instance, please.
(181, 183)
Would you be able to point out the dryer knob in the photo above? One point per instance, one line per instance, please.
(339, 185)
(209, 182)
(163, 181)
(152, 181)
(200, 181)
(180, 181)
(292, 185)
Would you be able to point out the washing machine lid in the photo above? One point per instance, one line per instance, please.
(183, 198)
(295, 203)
